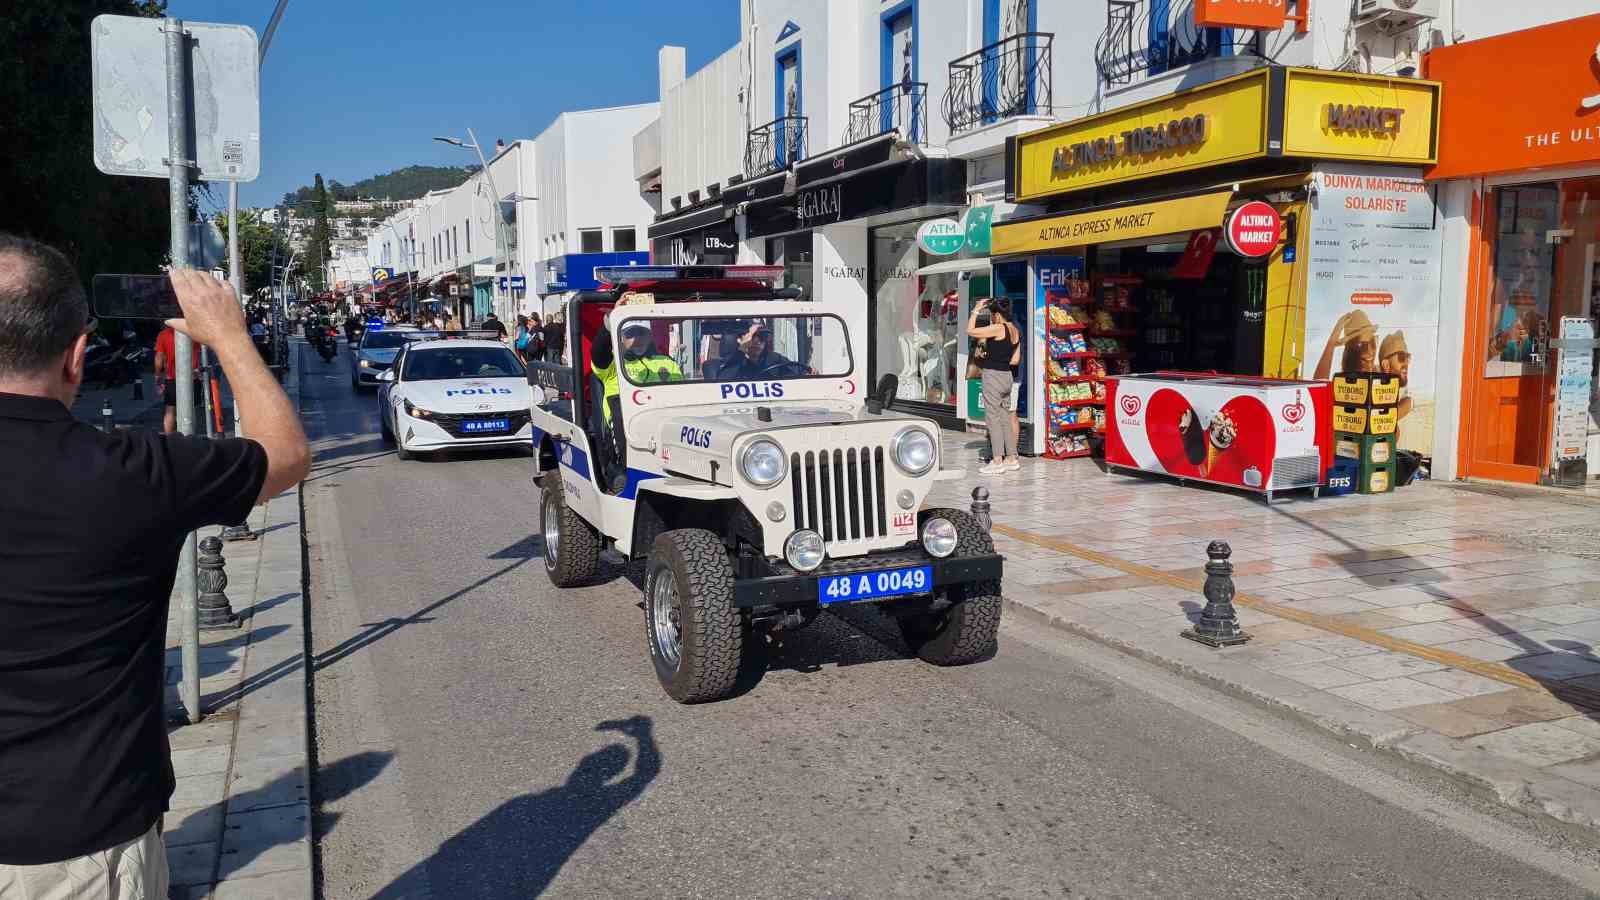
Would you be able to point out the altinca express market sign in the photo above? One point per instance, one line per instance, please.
(1269, 112)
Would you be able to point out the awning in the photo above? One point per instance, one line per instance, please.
(954, 265)
(1118, 223)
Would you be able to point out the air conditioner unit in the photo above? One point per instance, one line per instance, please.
(1393, 15)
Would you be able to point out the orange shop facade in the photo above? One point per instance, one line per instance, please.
(1518, 182)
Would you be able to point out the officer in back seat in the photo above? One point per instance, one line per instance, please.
(644, 364)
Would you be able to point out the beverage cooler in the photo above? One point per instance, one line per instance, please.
(1258, 434)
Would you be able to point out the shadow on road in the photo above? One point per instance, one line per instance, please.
(518, 849)
(519, 554)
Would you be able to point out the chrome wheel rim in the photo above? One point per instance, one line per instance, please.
(665, 617)
(551, 526)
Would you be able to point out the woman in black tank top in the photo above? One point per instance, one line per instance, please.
(998, 346)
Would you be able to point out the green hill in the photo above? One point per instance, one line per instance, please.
(408, 183)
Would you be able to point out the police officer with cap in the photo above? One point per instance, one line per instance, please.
(644, 364)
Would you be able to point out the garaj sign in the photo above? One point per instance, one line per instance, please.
(818, 205)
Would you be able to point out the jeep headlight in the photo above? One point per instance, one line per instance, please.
(913, 451)
(762, 463)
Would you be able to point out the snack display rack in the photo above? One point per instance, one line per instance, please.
(1088, 331)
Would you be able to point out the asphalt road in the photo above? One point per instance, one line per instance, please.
(480, 734)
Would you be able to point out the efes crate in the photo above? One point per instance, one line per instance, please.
(1376, 479)
(1366, 449)
(1366, 389)
(1366, 419)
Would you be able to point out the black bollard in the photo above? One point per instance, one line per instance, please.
(215, 612)
(980, 507)
(106, 421)
(1219, 623)
(138, 388)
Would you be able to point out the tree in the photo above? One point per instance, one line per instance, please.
(319, 251)
(52, 190)
(257, 241)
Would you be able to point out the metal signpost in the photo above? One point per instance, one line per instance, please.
(177, 101)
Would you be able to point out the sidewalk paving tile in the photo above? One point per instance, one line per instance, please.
(1521, 706)
(1393, 693)
(1539, 744)
(209, 760)
(192, 863)
(277, 886)
(1321, 675)
(197, 790)
(1449, 719)
(1556, 666)
(1464, 683)
(191, 826)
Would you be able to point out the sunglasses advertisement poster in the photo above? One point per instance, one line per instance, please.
(1372, 286)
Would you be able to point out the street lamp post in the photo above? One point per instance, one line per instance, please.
(471, 143)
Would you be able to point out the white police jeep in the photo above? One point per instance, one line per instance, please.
(745, 460)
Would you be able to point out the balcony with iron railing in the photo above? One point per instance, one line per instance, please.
(1145, 38)
(899, 107)
(1004, 80)
(775, 146)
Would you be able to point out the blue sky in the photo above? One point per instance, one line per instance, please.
(353, 88)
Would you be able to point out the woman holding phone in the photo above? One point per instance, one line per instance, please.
(998, 350)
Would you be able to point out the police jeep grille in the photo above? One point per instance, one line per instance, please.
(840, 493)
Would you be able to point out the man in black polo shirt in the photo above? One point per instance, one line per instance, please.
(90, 529)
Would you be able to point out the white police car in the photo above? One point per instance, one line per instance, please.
(375, 351)
(446, 393)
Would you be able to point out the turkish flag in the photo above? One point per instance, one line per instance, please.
(1196, 260)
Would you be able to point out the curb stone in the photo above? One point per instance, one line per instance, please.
(1520, 787)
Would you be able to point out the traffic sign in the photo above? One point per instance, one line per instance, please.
(130, 98)
(1253, 229)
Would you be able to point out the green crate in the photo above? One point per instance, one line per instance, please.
(1376, 478)
(1375, 449)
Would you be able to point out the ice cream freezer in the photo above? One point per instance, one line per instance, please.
(1259, 434)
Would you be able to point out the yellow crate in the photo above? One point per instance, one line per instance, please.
(1366, 419)
(1366, 389)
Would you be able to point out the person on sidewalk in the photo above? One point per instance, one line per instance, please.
(91, 525)
(1000, 348)
(166, 362)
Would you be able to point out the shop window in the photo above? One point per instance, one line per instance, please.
(623, 240)
(916, 318)
(793, 252)
(591, 240)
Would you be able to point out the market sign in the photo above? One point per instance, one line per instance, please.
(1524, 100)
(1269, 112)
(1338, 115)
(1265, 15)
(1208, 126)
(1253, 229)
(941, 237)
(1122, 223)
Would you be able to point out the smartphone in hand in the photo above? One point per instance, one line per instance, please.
(135, 297)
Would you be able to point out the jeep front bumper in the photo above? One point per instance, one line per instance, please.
(797, 589)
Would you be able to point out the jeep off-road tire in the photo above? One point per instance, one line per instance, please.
(689, 572)
(571, 545)
(964, 632)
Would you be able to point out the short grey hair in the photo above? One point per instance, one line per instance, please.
(43, 308)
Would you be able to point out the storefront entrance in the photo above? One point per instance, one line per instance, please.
(1538, 250)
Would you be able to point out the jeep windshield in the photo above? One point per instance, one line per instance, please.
(735, 348)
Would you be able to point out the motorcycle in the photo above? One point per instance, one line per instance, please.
(328, 344)
(114, 366)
